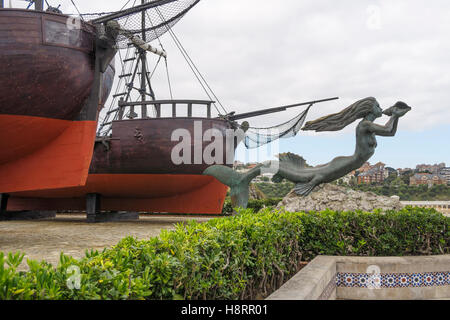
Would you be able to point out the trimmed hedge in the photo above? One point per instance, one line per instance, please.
(255, 205)
(243, 257)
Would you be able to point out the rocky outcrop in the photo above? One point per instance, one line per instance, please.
(337, 198)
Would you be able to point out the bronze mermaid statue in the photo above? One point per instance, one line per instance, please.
(293, 168)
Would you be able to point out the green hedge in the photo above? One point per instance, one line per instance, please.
(255, 205)
(247, 256)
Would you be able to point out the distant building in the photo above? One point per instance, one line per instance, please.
(446, 173)
(432, 168)
(429, 179)
(251, 165)
(348, 178)
(388, 171)
(372, 174)
(366, 167)
(404, 171)
(266, 177)
(238, 163)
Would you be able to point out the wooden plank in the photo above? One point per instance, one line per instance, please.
(174, 110)
(158, 110)
(161, 102)
(189, 110)
(20, 34)
(208, 111)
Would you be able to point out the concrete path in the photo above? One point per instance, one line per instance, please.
(44, 240)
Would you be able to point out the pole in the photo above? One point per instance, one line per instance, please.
(144, 64)
(39, 5)
(275, 110)
(1, 4)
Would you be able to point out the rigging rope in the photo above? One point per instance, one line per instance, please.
(76, 8)
(192, 65)
(168, 79)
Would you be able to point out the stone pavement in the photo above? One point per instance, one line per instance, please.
(45, 239)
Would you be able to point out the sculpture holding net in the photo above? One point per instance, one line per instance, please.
(257, 137)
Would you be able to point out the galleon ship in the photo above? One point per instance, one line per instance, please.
(55, 152)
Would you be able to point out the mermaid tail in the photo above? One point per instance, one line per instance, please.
(238, 182)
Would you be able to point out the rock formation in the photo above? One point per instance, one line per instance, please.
(337, 198)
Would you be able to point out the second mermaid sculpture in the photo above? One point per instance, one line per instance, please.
(293, 168)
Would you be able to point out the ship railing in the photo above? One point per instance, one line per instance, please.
(159, 105)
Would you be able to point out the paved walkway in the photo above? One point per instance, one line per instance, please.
(44, 240)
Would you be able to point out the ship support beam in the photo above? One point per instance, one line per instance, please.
(93, 207)
(94, 214)
(3, 203)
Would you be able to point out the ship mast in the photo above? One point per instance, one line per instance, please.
(143, 57)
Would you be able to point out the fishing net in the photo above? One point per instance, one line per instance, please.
(257, 137)
(151, 23)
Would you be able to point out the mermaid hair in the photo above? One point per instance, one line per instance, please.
(339, 121)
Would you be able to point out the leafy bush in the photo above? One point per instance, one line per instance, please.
(255, 205)
(246, 256)
(275, 190)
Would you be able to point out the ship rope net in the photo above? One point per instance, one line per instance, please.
(158, 20)
(258, 137)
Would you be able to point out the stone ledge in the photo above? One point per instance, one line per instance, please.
(315, 281)
(310, 283)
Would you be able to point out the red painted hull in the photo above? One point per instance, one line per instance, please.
(41, 153)
(182, 194)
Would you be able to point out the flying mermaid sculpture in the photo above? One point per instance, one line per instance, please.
(293, 168)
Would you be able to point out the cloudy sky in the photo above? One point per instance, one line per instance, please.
(259, 54)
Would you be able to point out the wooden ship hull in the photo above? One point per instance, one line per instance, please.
(46, 76)
(133, 171)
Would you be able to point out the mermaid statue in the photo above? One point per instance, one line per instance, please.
(293, 168)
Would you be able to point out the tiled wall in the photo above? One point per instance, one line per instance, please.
(370, 278)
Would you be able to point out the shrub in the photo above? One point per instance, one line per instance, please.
(255, 205)
(246, 256)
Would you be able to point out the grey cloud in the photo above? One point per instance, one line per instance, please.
(260, 54)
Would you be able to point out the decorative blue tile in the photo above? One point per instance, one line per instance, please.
(417, 279)
(389, 280)
(429, 279)
(349, 280)
(362, 280)
(439, 279)
(404, 280)
(392, 280)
